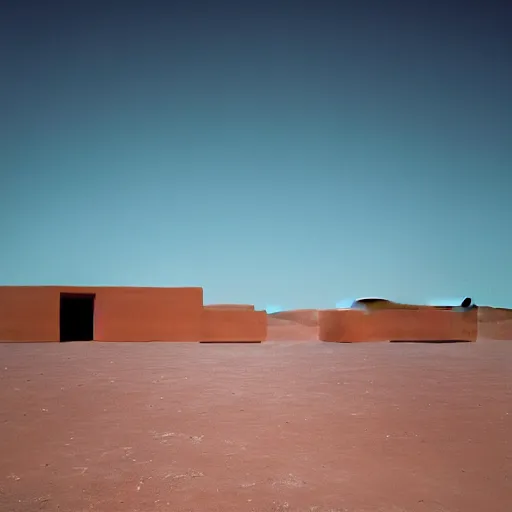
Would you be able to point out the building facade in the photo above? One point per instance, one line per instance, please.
(70, 313)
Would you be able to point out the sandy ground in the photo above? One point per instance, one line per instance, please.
(282, 427)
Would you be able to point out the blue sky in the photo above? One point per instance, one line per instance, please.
(293, 154)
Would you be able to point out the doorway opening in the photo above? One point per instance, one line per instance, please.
(76, 317)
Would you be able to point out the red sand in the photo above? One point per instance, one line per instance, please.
(281, 427)
(307, 317)
(293, 325)
(279, 329)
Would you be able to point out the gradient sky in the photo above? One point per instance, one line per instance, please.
(292, 153)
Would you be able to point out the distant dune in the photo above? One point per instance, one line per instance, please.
(293, 325)
(487, 314)
(286, 330)
(307, 317)
(245, 307)
(494, 323)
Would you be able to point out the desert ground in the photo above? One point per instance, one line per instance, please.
(273, 427)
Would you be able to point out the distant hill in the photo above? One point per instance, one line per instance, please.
(307, 317)
(494, 323)
(279, 329)
(248, 307)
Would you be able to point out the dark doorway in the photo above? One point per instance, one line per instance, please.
(76, 317)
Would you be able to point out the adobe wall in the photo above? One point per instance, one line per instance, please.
(120, 314)
(148, 314)
(222, 325)
(29, 313)
(397, 325)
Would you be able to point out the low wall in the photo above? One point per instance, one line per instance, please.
(397, 325)
(233, 325)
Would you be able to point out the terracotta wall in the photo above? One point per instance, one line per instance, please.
(397, 325)
(148, 314)
(120, 313)
(234, 325)
(29, 313)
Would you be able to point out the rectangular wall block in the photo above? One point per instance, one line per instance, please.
(398, 325)
(29, 313)
(149, 314)
(32, 313)
(224, 325)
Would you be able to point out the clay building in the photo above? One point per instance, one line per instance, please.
(70, 313)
